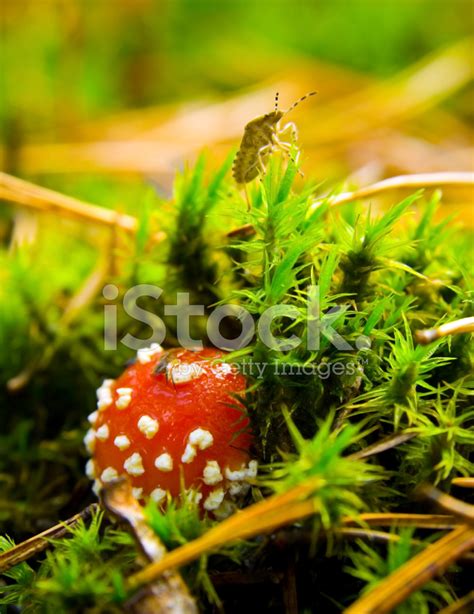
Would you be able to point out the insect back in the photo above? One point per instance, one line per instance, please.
(255, 147)
(261, 138)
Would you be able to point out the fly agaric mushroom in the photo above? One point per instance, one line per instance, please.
(170, 419)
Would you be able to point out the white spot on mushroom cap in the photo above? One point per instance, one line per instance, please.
(109, 474)
(144, 355)
(212, 473)
(122, 442)
(104, 402)
(201, 438)
(214, 499)
(93, 417)
(133, 465)
(90, 469)
(164, 462)
(158, 494)
(137, 493)
(252, 469)
(148, 426)
(103, 432)
(189, 454)
(123, 401)
(124, 391)
(104, 394)
(243, 473)
(89, 441)
(237, 475)
(183, 372)
(104, 388)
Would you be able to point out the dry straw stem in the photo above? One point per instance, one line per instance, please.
(420, 521)
(465, 605)
(447, 503)
(463, 482)
(464, 325)
(262, 517)
(385, 538)
(392, 441)
(399, 585)
(30, 195)
(401, 182)
(368, 534)
(38, 543)
(269, 514)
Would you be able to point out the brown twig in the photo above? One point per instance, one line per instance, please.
(23, 551)
(289, 586)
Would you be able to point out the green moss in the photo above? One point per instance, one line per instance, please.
(380, 277)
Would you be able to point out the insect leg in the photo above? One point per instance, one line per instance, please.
(260, 161)
(287, 148)
(283, 145)
(247, 197)
(268, 148)
(292, 127)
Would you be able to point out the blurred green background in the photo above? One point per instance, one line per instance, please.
(71, 67)
(66, 61)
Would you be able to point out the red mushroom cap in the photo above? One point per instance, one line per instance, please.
(170, 419)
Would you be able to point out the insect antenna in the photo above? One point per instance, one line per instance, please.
(295, 104)
(277, 94)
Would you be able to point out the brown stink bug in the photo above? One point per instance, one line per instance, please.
(261, 138)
